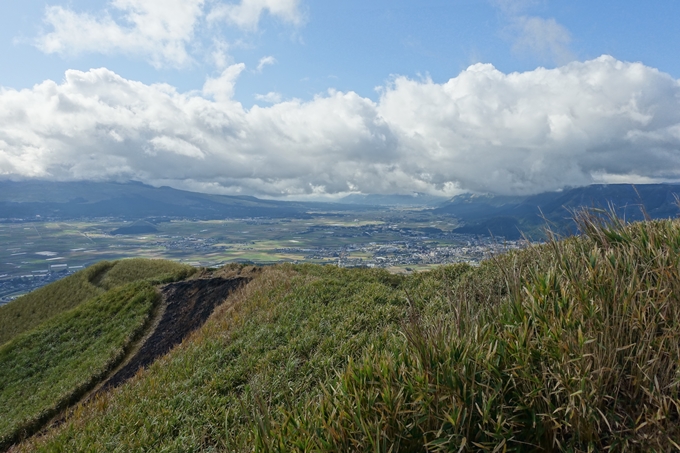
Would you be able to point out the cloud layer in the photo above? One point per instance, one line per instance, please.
(595, 121)
(160, 30)
(247, 13)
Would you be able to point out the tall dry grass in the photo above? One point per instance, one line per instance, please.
(569, 346)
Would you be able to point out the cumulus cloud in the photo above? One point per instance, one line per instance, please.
(247, 14)
(483, 130)
(222, 88)
(220, 54)
(158, 29)
(163, 31)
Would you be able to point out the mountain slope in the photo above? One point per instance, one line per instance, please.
(29, 311)
(43, 370)
(61, 340)
(568, 346)
(28, 199)
(487, 213)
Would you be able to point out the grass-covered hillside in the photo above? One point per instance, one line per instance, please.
(573, 345)
(88, 321)
(27, 312)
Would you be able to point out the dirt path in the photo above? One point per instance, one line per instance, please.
(184, 307)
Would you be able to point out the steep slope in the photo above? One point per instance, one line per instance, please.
(47, 368)
(186, 305)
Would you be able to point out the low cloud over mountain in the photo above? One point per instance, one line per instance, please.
(596, 121)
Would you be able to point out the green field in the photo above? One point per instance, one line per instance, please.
(35, 247)
(38, 247)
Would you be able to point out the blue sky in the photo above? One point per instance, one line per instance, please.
(356, 45)
(310, 98)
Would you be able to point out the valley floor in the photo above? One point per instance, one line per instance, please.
(36, 253)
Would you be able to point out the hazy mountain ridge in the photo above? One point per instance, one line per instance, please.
(508, 216)
(28, 199)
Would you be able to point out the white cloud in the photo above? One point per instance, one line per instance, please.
(247, 14)
(544, 38)
(175, 145)
(164, 31)
(157, 29)
(272, 97)
(600, 120)
(220, 56)
(222, 88)
(265, 61)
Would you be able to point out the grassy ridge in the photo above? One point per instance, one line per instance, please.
(47, 367)
(570, 346)
(578, 353)
(135, 269)
(289, 330)
(27, 312)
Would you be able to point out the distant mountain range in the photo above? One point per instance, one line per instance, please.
(510, 216)
(506, 216)
(29, 199)
(135, 200)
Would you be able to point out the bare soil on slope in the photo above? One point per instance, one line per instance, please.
(184, 307)
(187, 305)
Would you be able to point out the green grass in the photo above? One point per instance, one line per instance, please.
(569, 346)
(43, 370)
(67, 335)
(27, 312)
(135, 269)
(289, 330)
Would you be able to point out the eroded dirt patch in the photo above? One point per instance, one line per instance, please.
(188, 304)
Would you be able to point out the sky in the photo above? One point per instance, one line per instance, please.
(314, 99)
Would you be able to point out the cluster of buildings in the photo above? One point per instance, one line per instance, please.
(407, 253)
(12, 287)
(191, 243)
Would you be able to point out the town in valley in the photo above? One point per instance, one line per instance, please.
(36, 251)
